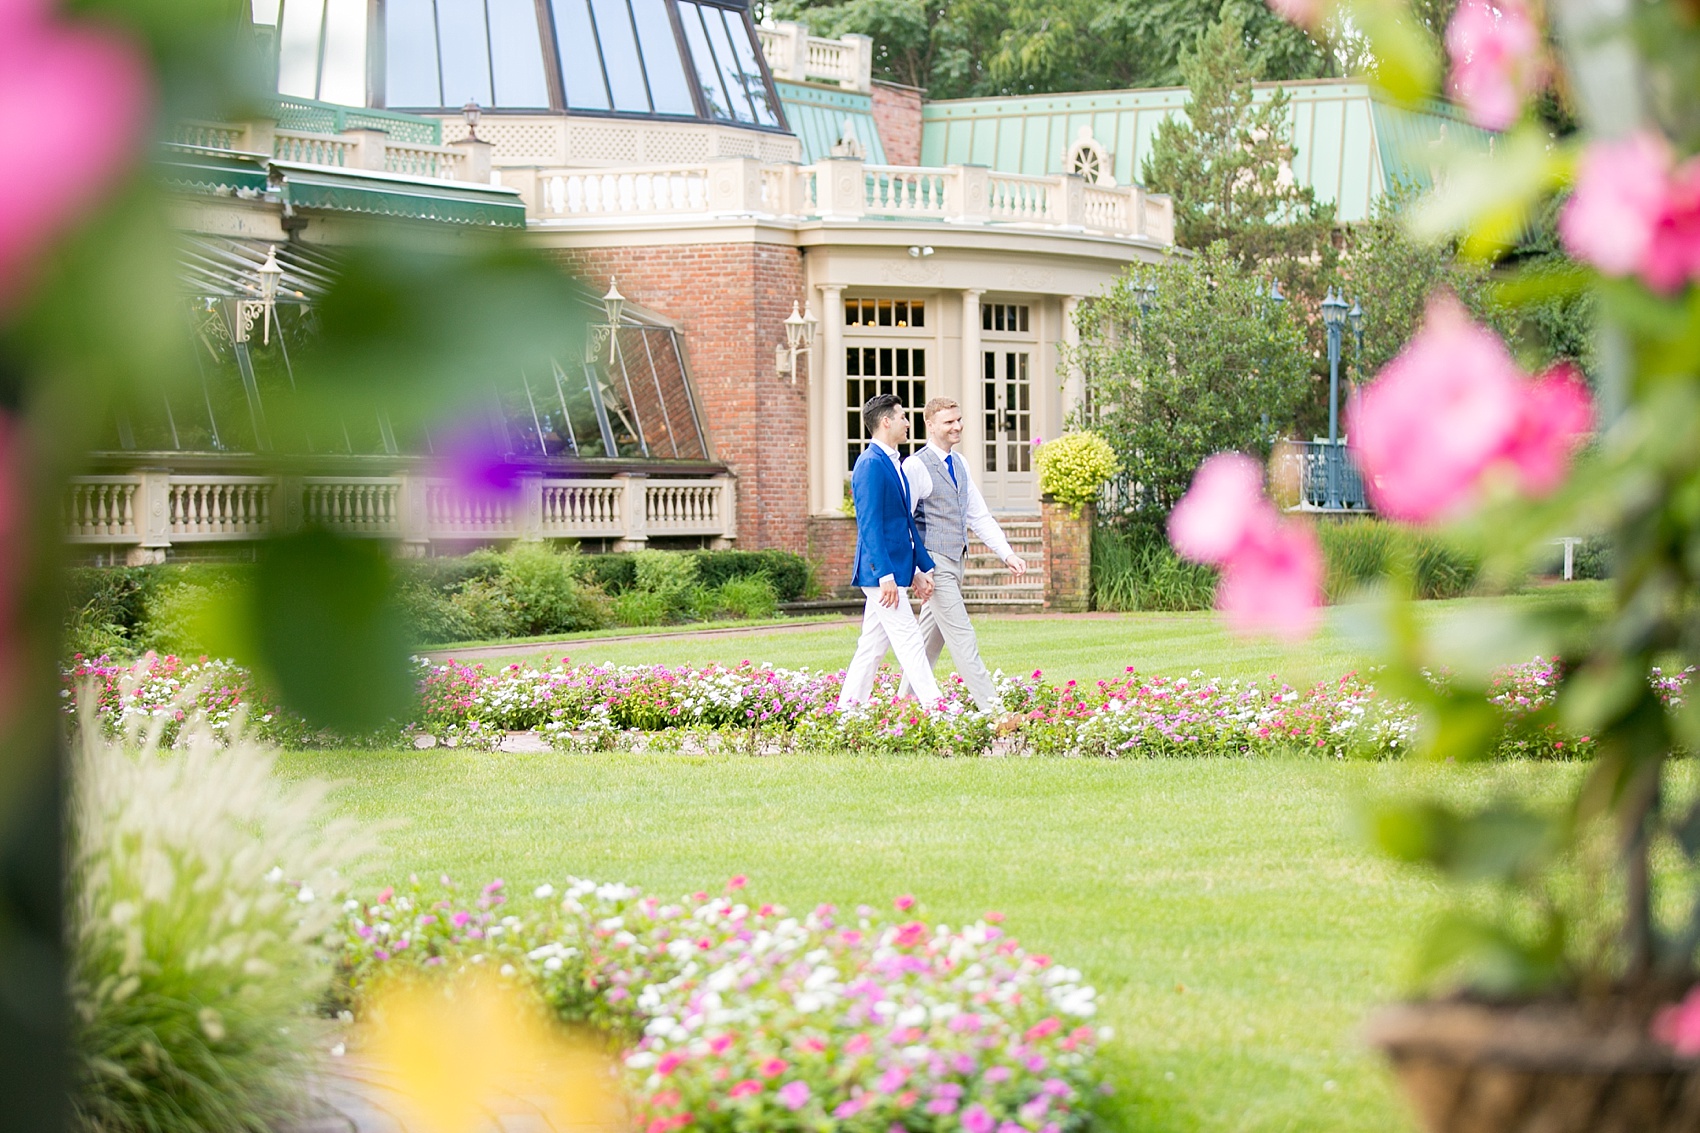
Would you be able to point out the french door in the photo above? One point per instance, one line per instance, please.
(1007, 405)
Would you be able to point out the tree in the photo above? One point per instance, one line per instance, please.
(1208, 364)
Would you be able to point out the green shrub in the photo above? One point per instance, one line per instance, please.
(173, 621)
(1360, 551)
(539, 585)
(1592, 558)
(1138, 571)
(103, 607)
(752, 596)
(641, 608)
(201, 888)
(612, 574)
(792, 575)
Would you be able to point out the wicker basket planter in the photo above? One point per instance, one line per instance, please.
(1535, 1068)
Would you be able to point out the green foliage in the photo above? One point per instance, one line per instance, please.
(1073, 467)
(1361, 551)
(1135, 571)
(541, 586)
(748, 596)
(644, 607)
(1228, 164)
(201, 888)
(791, 575)
(973, 48)
(1209, 365)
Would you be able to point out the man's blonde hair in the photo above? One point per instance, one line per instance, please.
(937, 405)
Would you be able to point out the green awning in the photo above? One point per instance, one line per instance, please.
(191, 169)
(381, 194)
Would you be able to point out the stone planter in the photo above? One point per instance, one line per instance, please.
(1536, 1068)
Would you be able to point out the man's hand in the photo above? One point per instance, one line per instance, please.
(888, 593)
(923, 586)
(1017, 565)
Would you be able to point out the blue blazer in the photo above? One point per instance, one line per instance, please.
(886, 539)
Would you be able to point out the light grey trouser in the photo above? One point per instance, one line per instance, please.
(944, 621)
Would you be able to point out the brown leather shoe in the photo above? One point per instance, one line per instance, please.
(1007, 723)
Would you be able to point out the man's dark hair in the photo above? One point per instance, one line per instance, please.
(878, 408)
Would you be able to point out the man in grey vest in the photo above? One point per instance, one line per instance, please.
(947, 507)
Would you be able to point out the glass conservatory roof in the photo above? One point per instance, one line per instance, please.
(669, 58)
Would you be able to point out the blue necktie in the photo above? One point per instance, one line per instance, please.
(903, 482)
(950, 467)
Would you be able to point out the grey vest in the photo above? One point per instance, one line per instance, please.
(943, 516)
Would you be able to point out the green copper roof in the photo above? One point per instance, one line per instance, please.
(1348, 145)
(816, 115)
(191, 169)
(379, 194)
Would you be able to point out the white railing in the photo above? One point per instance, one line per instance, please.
(200, 508)
(894, 190)
(848, 188)
(792, 53)
(440, 162)
(151, 511)
(616, 192)
(353, 505)
(102, 509)
(207, 135)
(684, 507)
(312, 149)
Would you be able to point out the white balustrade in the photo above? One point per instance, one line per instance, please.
(894, 190)
(440, 162)
(583, 508)
(792, 53)
(312, 149)
(1022, 199)
(616, 192)
(353, 505)
(452, 513)
(102, 509)
(201, 508)
(207, 135)
(1108, 209)
(684, 507)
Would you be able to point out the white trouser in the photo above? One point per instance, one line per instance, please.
(894, 628)
(944, 621)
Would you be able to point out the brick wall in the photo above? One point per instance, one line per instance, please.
(732, 300)
(1068, 556)
(897, 116)
(832, 548)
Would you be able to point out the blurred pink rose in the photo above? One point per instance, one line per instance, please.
(794, 1095)
(1557, 414)
(1436, 416)
(1221, 509)
(1673, 257)
(1622, 193)
(77, 98)
(1678, 1026)
(1305, 13)
(1495, 52)
(1273, 585)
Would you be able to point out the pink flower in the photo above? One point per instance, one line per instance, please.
(794, 1095)
(1495, 60)
(1043, 1029)
(1622, 191)
(670, 1062)
(1274, 585)
(852, 1107)
(1557, 414)
(1221, 509)
(904, 903)
(858, 1043)
(720, 1044)
(737, 882)
(747, 1088)
(1678, 1026)
(1436, 416)
(77, 97)
(1673, 257)
(1305, 13)
(385, 894)
(773, 1068)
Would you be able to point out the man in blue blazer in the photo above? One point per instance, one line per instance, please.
(889, 558)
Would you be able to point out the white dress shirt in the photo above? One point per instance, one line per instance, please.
(980, 519)
(897, 463)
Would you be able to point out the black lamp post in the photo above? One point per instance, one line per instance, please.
(1334, 318)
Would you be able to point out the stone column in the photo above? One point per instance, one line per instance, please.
(1074, 382)
(153, 519)
(634, 512)
(1068, 556)
(826, 403)
(475, 161)
(973, 393)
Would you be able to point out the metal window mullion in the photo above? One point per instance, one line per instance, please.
(324, 32)
(766, 76)
(490, 59)
(737, 67)
(608, 447)
(550, 41)
(596, 42)
(377, 53)
(643, 61)
(672, 439)
(631, 398)
(694, 79)
(436, 38)
(536, 423)
(561, 396)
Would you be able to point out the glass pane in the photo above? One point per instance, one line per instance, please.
(620, 55)
(581, 65)
(466, 52)
(676, 391)
(708, 75)
(715, 21)
(749, 69)
(628, 439)
(410, 54)
(298, 48)
(229, 417)
(572, 415)
(521, 419)
(518, 55)
(343, 78)
(668, 86)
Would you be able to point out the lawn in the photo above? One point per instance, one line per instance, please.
(1226, 909)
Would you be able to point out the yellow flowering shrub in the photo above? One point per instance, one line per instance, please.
(1073, 467)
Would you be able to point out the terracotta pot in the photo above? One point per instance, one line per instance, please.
(1535, 1068)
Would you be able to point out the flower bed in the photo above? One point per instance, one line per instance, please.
(741, 1015)
(762, 709)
